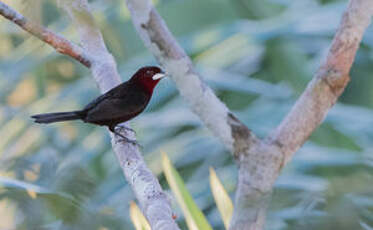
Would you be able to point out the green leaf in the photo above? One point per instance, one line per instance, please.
(31, 189)
(138, 219)
(221, 197)
(193, 215)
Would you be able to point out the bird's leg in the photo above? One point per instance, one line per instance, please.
(123, 138)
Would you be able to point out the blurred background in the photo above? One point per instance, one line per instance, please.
(258, 56)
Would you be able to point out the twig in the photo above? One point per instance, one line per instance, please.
(59, 43)
(145, 185)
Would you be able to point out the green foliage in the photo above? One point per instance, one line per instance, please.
(193, 215)
(195, 219)
(222, 199)
(137, 218)
(257, 55)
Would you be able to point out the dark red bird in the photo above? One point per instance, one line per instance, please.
(118, 105)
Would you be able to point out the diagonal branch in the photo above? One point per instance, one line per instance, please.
(261, 166)
(94, 55)
(328, 83)
(202, 100)
(59, 43)
(145, 185)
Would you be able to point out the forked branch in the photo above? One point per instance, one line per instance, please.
(260, 161)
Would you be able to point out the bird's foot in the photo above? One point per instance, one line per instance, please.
(125, 128)
(125, 139)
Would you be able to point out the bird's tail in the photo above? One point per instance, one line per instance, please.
(56, 117)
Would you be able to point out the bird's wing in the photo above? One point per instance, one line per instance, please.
(117, 107)
(99, 99)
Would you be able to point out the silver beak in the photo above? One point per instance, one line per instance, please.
(158, 76)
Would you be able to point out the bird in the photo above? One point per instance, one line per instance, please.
(118, 105)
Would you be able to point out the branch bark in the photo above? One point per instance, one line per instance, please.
(59, 43)
(202, 100)
(259, 161)
(94, 55)
(328, 83)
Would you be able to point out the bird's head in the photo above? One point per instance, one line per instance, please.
(148, 77)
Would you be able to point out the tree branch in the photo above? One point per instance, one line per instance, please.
(145, 185)
(262, 164)
(94, 55)
(203, 102)
(260, 161)
(59, 43)
(328, 83)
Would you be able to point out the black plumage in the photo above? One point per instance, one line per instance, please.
(118, 105)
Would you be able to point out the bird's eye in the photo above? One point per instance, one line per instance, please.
(149, 72)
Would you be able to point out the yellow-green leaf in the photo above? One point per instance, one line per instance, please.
(193, 215)
(138, 219)
(222, 199)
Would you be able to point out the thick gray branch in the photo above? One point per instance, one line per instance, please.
(259, 170)
(328, 83)
(145, 185)
(260, 161)
(94, 55)
(215, 115)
